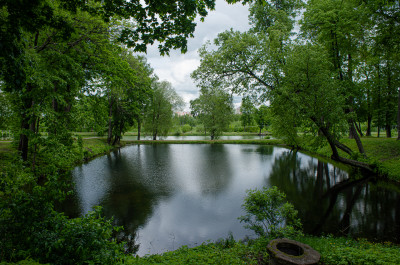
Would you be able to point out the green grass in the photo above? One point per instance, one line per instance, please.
(96, 146)
(333, 251)
(237, 253)
(384, 153)
(350, 251)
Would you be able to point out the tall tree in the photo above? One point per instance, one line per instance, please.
(247, 110)
(262, 117)
(165, 100)
(386, 18)
(214, 107)
(128, 86)
(341, 27)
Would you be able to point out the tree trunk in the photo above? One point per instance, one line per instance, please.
(25, 123)
(358, 127)
(35, 148)
(357, 138)
(23, 139)
(351, 133)
(116, 140)
(343, 147)
(155, 132)
(109, 135)
(388, 131)
(368, 133)
(335, 154)
(139, 129)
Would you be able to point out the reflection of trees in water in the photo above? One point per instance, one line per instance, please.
(265, 150)
(215, 170)
(131, 200)
(329, 201)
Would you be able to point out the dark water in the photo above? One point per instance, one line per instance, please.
(171, 195)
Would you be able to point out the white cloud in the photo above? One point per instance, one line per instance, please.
(177, 67)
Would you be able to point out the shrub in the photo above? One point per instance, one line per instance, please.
(269, 215)
(186, 128)
(29, 225)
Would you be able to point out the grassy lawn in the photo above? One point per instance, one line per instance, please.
(382, 152)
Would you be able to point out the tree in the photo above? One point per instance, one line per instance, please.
(385, 15)
(89, 113)
(129, 88)
(145, 76)
(247, 110)
(214, 108)
(44, 23)
(266, 63)
(262, 117)
(165, 100)
(51, 71)
(340, 27)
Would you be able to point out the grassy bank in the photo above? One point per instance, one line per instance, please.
(382, 153)
(333, 251)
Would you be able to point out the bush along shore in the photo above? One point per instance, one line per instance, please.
(32, 232)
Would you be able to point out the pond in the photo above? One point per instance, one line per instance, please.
(171, 195)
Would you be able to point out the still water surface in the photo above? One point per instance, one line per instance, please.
(171, 195)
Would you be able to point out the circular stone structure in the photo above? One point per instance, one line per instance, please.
(283, 251)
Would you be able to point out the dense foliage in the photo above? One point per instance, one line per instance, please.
(66, 65)
(338, 71)
(31, 227)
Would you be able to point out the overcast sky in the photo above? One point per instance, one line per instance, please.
(177, 67)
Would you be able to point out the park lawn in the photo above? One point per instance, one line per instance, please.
(382, 152)
(95, 146)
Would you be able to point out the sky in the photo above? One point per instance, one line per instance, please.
(177, 67)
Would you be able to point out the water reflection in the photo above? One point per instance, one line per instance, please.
(329, 201)
(171, 195)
